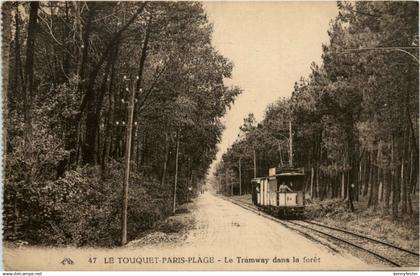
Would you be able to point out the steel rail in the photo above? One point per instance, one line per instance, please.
(349, 243)
(253, 209)
(361, 236)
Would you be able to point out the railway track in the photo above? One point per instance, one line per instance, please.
(386, 252)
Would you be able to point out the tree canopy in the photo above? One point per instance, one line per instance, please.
(72, 66)
(354, 118)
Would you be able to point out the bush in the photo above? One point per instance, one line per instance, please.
(81, 209)
(75, 207)
(148, 204)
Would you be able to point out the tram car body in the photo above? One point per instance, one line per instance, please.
(281, 193)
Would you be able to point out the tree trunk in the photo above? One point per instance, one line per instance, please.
(381, 186)
(142, 61)
(165, 162)
(377, 176)
(387, 183)
(317, 181)
(359, 181)
(81, 68)
(394, 176)
(6, 34)
(111, 120)
(312, 183)
(240, 178)
(401, 193)
(176, 171)
(343, 177)
(406, 174)
(410, 180)
(107, 78)
(352, 162)
(403, 190)
(387, 192)
(367, 174)
(29, 87)
(363, 179)
(88, 101)
(231, 189)
(18, 74)
(370, 179)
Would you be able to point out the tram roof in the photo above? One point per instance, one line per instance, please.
(290, 174)
(280, 174)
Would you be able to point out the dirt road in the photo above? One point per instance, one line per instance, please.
(225, 236)
(226, 229)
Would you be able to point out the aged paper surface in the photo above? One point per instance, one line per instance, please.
(210, 136)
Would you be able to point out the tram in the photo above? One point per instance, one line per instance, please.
(281, 193)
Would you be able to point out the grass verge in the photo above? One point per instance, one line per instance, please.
(374, 222)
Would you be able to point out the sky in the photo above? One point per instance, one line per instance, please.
(271, 45)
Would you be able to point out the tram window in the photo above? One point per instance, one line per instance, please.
(283, 188)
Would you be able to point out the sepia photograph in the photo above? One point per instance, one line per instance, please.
(210, 136)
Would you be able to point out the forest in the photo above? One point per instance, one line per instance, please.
(69, 69)
(354, 119)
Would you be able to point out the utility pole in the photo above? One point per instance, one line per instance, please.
(225, 188)
(255, 162)
(127, 159)
(280, 153)
(240, 177)
(290, 145)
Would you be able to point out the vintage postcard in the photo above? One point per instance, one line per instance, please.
(184, 135)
